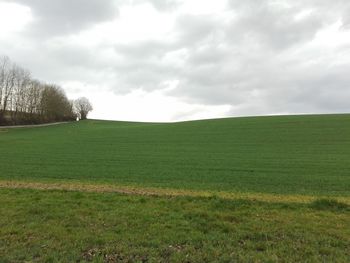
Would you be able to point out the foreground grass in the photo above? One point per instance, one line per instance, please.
(61, 226)
(306, 155)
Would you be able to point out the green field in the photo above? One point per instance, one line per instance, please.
(58, 226)
(285, 155)
(258, 189)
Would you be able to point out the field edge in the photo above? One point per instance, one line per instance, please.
(164, 192)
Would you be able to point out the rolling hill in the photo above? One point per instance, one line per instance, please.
(284, 154)
(259, 189)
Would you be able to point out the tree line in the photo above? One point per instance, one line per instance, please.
(24, 100)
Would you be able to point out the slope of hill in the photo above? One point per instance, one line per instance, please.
(285, 154)
(267, 189)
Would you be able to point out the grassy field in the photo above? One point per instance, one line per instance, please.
(265, 189)
(284, 155)
(60, 226)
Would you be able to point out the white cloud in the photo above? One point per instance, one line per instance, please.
(140, 105)
(13, 18)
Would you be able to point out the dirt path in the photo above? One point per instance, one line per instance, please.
(104, 188)
(32, 126)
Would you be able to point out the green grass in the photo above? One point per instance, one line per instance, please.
(264, 189)
(285, 155)
(59, 226)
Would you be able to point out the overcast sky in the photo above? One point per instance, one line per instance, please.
(171, 60)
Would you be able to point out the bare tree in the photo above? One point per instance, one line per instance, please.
(20, 97)
(4, 73)
(25, 100)
(8, 86)
(83, 107)
(34, 97)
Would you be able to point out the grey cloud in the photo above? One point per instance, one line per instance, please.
(252, 66)
(244, 61)
(67, 16)
(249, 59)
(160, 5)
(144, 49)
(272, 26)
(165, 5)
(196, 29)
(305, 90)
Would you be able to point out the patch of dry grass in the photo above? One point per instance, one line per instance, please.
(148, 191)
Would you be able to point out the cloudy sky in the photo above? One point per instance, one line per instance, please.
(171, 60)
